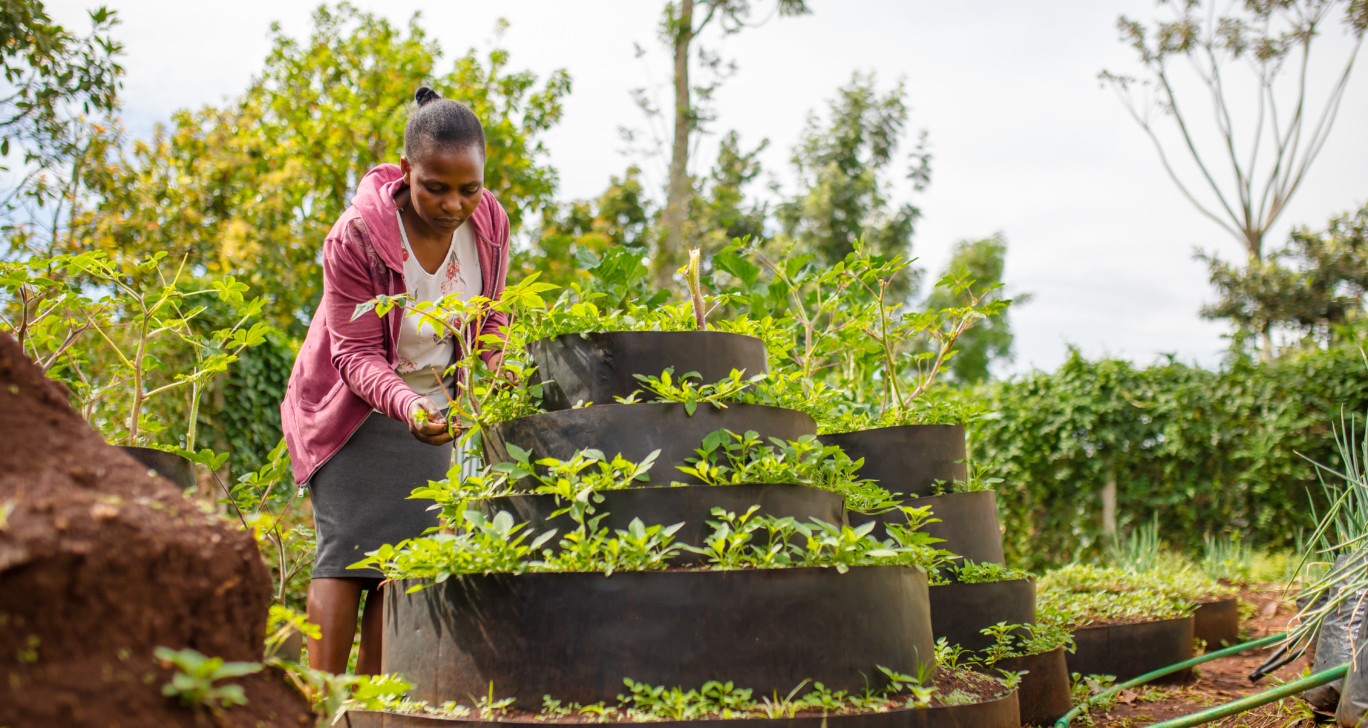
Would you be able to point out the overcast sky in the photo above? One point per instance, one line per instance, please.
(1025, 140)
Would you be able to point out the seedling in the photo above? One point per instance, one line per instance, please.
(193, 682)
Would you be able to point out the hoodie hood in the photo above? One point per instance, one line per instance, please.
(374, 202)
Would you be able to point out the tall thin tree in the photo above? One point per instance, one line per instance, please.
(1269, 38)
(683, 22)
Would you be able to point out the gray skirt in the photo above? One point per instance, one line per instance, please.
(360, 496)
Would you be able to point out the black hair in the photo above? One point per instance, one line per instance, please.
(438, 121)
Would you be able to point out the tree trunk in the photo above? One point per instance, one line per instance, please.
(671, 240)
(1109, 507)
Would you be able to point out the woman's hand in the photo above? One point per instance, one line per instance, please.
(508, 379)
(427, 423)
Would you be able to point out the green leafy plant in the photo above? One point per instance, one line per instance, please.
(1022, 640)
(193, 682)
(728, 458)
(969, 572)
(119, 335)
(282, 623)
(690, 390)
(637, 548)
(1227, 558)
(481, 546)
(751, 540)
(462, 317)
(1079, 595)
(575, 482)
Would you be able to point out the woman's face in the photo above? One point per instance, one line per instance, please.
(445, 185)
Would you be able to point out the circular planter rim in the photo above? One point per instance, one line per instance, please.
(960, 493)
(598, 405)
(1030, 579)
(887, 427)
(674, 572)
(1110, 625)
(656, 486)
(738, 722)
(744, 405)
(618, 332)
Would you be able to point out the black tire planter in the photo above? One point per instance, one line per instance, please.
(691, 504)
(1044, 690)
(968, 524)
(997, 713)
(576, 636)
(599, 365)
(1131, 650)
(907, 459)
(1217, 622)
(175, 468)
(634, 430)
(959, 611)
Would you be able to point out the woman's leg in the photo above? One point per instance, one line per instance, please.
(332, 605)
(372, 632)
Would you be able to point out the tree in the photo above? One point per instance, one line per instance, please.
(1310, 287)
(721, 212)
(575, 235)
(680, 27)
(1280, 143)
(990, 340)
(842, 166)
(58, 93)
(251, 188)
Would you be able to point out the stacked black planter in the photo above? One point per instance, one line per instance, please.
(575, 636)
(910, 461)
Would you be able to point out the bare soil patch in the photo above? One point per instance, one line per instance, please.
(101, 562)
(1220, 681)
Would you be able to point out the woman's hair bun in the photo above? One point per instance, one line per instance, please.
(424, 94)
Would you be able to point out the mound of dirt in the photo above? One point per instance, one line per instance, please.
(101, 562)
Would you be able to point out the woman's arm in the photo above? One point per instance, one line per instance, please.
(358, 347)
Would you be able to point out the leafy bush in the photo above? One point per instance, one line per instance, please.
(726, 458)
(1187, 446)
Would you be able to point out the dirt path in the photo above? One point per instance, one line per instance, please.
(1219, 681)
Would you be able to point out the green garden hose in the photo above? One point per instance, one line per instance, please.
(1063, 722)
(1257, 699)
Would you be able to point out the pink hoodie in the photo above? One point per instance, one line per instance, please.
(346, 368)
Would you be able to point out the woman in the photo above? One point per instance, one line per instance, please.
(361, 418)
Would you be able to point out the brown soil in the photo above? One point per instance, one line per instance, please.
(100, 563)
(1219, 681)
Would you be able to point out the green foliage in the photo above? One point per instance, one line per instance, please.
(477, 544)
(750, 540)
(61, 92)
(463, 318)
(690, 390)
(482, 546)
(193, 682)
(969, 572)
(584, 240)
(241, 412)
(726, 458)
(637, 548)
(1022, 640)
(990, 341)
(1311, 287)
(1186, 446)
(1244, 176)
(843, 165)
(122, 335)
(1079, 595)
(252, 187)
